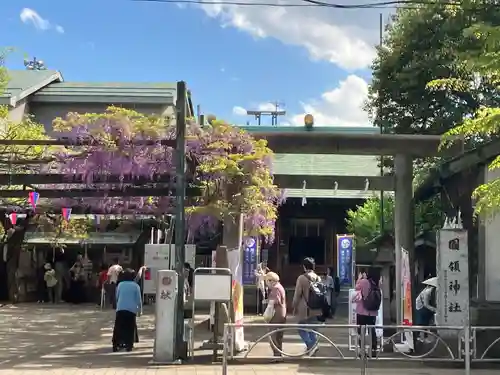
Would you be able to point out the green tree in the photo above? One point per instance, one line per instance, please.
(364, 220)
(484, 123)
(421, 45)
(21, 159)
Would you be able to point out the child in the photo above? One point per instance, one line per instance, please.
(51, 281)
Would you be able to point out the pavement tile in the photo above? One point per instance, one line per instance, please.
(65, 340)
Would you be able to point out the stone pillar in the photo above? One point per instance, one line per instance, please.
(403, 220)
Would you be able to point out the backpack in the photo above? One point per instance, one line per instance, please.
(433, 299)
(374, 298)
(317, 294)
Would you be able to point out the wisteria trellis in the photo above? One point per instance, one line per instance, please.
(233, 168)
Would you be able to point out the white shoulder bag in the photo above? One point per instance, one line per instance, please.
(269, 313)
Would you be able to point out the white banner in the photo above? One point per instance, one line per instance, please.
(353, 335)
(406, 300)
(453, 277)
(234, 257)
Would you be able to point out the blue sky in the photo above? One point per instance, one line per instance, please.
(314, 60)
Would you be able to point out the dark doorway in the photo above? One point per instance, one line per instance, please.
(301, 247)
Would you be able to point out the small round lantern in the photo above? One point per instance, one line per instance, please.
(308, 121)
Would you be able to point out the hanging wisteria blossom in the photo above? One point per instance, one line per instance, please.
(233, 168)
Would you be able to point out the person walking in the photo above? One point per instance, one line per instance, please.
(308, 297)
(333, 291)
(50, 279)
(425, 307)
(128, 306)
(368, 299)
(62, 274)
(77, 284)
(260, 278)
(102, 279)
(113, 275)
(276, 310)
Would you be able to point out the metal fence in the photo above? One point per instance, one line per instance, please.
(443, 344)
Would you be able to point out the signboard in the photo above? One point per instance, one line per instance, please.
(249, 261)
(156, 257)
(453, 277)
(353, 335)
(345, 259)
(162, 257)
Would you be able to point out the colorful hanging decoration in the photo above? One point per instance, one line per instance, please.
(13, 218)
(33, 198)
(66, 212)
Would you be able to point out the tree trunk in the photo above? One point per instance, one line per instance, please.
(13, 241)
(11, 269)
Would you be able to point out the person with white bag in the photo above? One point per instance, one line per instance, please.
(260, 278)
(276, 310)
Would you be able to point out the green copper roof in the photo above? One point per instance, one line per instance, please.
(26, 82)
(326, 165)
(326, 128)
(93, 89)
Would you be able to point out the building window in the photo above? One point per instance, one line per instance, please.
(307, 228)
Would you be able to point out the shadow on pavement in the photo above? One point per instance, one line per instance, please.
(39, 336)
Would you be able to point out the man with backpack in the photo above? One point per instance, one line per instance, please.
(368, 300)
(310, 295)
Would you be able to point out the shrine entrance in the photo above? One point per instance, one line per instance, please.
(402, 148)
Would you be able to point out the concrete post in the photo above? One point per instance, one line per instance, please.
(403, 220)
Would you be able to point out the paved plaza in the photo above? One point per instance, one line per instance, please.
(75, 340)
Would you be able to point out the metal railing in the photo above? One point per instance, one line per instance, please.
(444, 344)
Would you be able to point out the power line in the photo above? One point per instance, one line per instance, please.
(309, 3)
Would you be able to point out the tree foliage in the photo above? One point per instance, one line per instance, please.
(484, 32)
(421, 45)
(364, 220)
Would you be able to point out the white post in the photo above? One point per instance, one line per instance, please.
(166, 307)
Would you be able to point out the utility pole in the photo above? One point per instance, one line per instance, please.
(180, 195)
(381, 42)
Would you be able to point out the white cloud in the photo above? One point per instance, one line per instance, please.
(30, 16)
(343, 37)
(342, 106)
(266, 107)
(239, 111)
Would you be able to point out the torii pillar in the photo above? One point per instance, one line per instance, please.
(403, 221)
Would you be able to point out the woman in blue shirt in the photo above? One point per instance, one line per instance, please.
(128, 305)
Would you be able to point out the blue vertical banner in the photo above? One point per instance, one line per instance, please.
(345, 259)
(249, 260)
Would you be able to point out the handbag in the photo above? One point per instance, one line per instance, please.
(269, 313)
